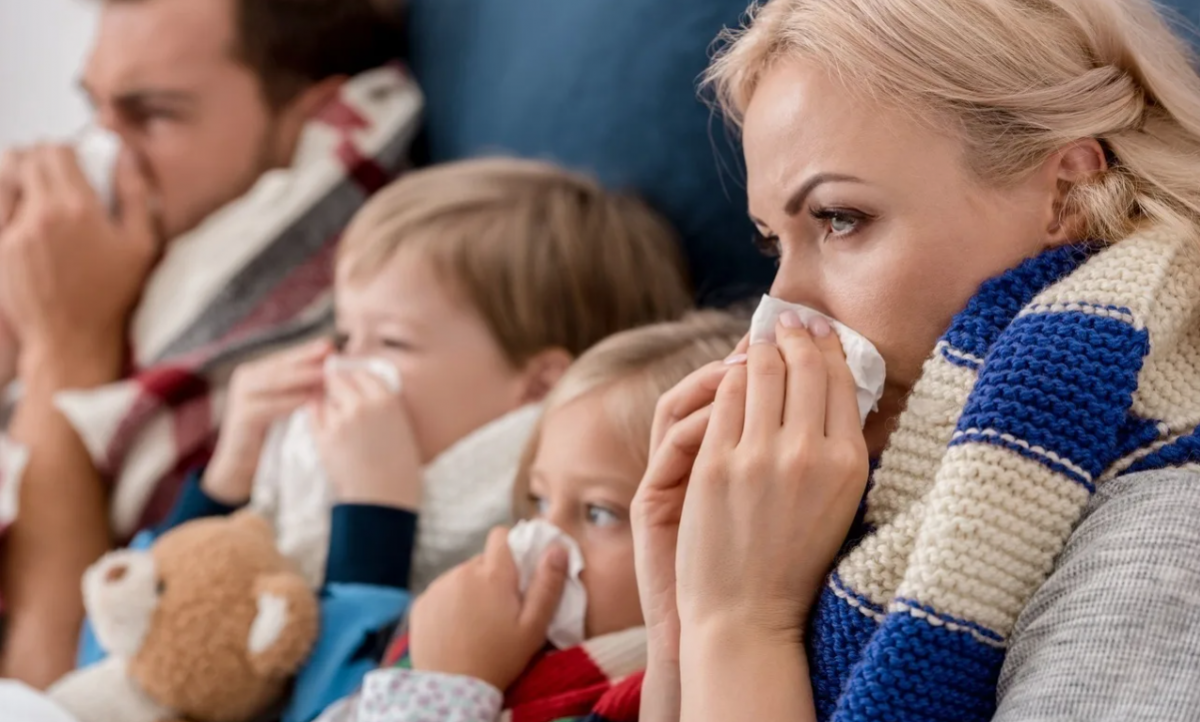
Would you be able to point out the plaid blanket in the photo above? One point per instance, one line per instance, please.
(597, 681)
(254, 276)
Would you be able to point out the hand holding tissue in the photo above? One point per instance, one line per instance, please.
(528, 541)
(865, 362)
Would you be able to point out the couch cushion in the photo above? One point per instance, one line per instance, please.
(606, 86)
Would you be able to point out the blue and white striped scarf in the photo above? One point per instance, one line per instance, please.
(1077, 366)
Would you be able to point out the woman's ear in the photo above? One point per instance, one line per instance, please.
(542, 373)
(1070, 166)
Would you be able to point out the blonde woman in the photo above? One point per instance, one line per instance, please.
(1004, 196)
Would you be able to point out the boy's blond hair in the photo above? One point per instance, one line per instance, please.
(549, 258)
(634, 369)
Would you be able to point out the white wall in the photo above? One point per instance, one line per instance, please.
(42, 47)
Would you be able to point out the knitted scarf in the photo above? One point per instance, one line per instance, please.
(254, 276)
(599, 679)
(467, 490)
(1076, 367)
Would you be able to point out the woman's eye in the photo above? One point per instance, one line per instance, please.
(600, 516)
(768, 245)
(841, 223)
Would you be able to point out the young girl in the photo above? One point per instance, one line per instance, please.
(476, 646)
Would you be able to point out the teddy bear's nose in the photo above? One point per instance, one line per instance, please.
(115, 573)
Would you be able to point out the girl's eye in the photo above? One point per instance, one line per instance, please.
(340, 341)
(768, 245)
(600, 516)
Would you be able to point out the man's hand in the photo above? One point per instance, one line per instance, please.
(69, 278)
(70, 274)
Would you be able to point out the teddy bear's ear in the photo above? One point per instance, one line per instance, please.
(285, 627)
(253, 522)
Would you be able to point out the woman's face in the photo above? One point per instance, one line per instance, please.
(877, 219)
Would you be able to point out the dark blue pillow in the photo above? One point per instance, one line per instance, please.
(605, 86)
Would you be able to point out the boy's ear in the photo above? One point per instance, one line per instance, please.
(542, 372)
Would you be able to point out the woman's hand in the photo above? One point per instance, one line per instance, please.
(775, 487)
(260, 393)
(473, 622)
(366, 442)
(680, 420)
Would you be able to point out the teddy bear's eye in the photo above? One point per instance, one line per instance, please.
(160, 587)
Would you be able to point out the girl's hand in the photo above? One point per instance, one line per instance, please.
(473, 622)
(680, 420)
(366, 442)
(775, 487)
(260, 393)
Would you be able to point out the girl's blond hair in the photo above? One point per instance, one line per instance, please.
(634, 369)
(1015, 79)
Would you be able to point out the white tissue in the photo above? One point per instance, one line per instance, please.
(866, 364)
(98, 151)
(528, 540)
(383, 369)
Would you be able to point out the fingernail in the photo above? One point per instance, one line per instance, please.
(791, 319)
(820, 327)
(557, 557)
(737, 359)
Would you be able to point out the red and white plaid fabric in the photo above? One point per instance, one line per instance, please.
(255, 276)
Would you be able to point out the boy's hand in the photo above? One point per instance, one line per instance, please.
(473, 622)
(260, 393)
(366, 442)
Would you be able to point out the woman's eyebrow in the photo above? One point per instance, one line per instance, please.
(796, 201)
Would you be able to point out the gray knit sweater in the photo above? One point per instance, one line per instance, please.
(1114, 633)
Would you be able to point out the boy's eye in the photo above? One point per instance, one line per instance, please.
(600, 516)
(395, 344)
(540, 506)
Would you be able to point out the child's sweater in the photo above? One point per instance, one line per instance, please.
(598, 679)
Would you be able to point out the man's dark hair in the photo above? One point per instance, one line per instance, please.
(292, 44)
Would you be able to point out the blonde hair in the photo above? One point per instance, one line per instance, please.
(550, 259)
(1016, 79)
(634, 369)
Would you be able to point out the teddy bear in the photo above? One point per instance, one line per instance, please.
(207, 625)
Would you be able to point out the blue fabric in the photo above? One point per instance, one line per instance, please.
(193, 503)
(370, 544)
(356, 622)
(605, 86)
